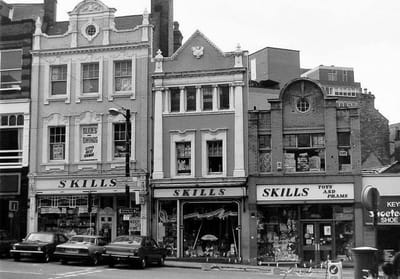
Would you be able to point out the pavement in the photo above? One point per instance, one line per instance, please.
(267, 270)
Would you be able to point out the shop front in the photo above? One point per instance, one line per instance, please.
(313, 223)
(388, 214)
(200, 223)
(100, 206)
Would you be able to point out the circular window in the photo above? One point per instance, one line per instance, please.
(303, 105)
(91, 30)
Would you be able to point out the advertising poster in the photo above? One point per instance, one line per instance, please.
(388, 211)
(90, 143)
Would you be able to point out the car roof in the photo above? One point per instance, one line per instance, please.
(86, 235)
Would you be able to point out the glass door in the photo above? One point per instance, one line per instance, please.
(317, 241)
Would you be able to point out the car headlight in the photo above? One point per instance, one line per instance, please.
(134, 252)
(39, 248)
(14, 247)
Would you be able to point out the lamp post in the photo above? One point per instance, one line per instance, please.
(127, 114)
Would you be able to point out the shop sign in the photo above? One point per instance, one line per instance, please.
(301, 192)
(388, 211)
(78, 185)
(215, 192)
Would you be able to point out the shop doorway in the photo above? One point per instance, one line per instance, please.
(317, 241)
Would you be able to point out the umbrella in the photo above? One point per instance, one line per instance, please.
(210, 237)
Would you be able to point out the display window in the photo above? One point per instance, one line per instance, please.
(211, 230)
(167, 226)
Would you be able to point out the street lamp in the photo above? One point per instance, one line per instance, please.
(127, 114)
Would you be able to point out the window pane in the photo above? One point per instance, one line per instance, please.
(303, 140)
(90, 85)
(59, 88)
(207, 98)
(264, 161)
(10, 79)
(175, 99)
(289, 141)
(123, 75)
(11, 59)
(264, 141)
(344, 139)
(119, 140)
(90, 77)
(190, 98)
(214, 156)
(183, 156)
(224, 97)
(57, 143)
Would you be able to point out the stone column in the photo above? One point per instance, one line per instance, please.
(158, 171)
(239, 131)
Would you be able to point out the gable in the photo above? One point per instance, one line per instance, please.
(198, 54)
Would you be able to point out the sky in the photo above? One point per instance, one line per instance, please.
(362, 34)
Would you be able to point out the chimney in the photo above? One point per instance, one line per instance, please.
(50, 12)
(177, 36)
(162, 13)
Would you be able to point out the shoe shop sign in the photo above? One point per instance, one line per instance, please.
(388, 211)
(302, 192)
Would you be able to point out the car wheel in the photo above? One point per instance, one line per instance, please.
(162, 261)
(64, 261)
(17, 258)
(46, 258)
(94, 260)
(143, 263)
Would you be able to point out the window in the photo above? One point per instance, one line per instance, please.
(344, 149)
(123, 75)
(183, 158)
(11, 130)
(175, 99)
(397, 135)
(57, 143)
(214, 153)
(264, 153)
(304, 152)
(303, 105)
(91, 30)
(89, 142)
(90, 77)
(345, 76)
(207, 97)
(223, 97)
(190, 98)
(10, 69)
(120, 140)
(332, 76)
(59, 80)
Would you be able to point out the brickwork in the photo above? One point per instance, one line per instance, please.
(376, 139)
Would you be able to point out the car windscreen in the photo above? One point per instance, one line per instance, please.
(40, 237)
(85, 239)
(125, 239)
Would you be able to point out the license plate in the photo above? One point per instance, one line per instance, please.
(25, 254)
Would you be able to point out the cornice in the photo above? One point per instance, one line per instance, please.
(199, 73)
(49, 52)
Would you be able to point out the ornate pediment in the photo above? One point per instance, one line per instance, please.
(90, 7)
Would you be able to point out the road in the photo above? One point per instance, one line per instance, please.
(30, 269)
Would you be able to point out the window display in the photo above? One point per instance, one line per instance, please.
(167, 226)
(277, 234)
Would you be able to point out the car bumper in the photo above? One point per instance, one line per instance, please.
(67, 256)
(26, 253)
(121, 258)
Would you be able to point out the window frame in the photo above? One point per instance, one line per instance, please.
(174, 99)
(190, 105)
(344, 152)
(59, 142)
(128, 75)
(18, 69)
(207, 136)
(224, 94)
(264, 149)
(207, 90)
(59, 80)
(188, 136)
(90, 78)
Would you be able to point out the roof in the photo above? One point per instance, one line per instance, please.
(27, 11)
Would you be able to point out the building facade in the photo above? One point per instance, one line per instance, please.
(199, 151)
(89, 168)
(304, 176)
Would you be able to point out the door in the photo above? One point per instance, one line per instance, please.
(317, 241)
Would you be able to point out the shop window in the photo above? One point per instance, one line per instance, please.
(344, 150)
(120, 137)
(90, 77)
(123, 75)
(210, 230)
(264, 151)
(175, 95)
(183, 158)
(223, 94)
(10, 69)
(57, 143)
(214, 152)
(207, 97)
(167, 227)
(278, 234)
(58, 80)
(190, 98)
(304, 153)
(316, 212)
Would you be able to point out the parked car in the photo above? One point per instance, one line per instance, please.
(139, 250)
(5, 243)
(39, 245)
(88, 248)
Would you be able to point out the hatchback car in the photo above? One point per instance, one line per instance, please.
(39, 245)
(88, 248)
(139, 250)
(5, 243)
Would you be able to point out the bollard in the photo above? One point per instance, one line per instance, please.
(365, 262)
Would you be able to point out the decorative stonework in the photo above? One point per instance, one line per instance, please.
(90, 30)
(198, 51)
(91, 7)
